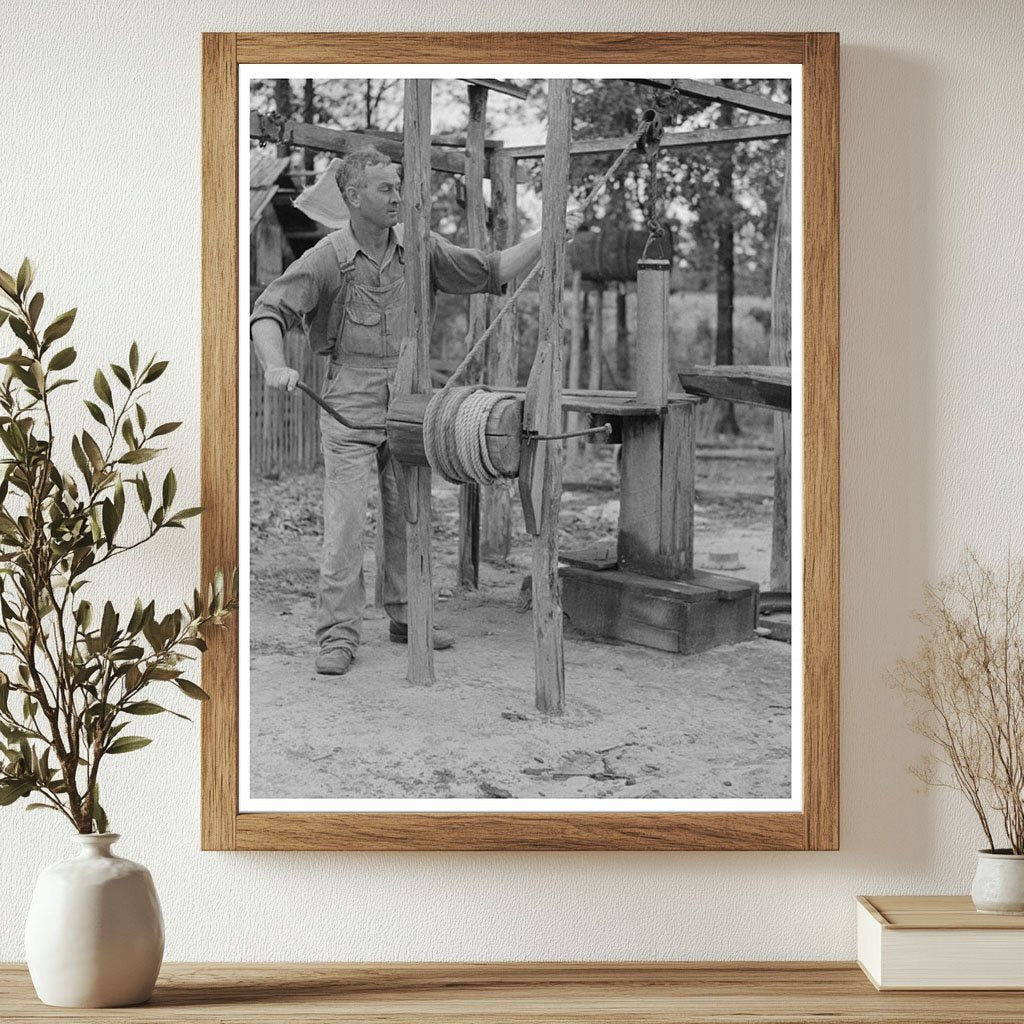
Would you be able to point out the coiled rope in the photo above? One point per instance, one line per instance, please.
(455, 422)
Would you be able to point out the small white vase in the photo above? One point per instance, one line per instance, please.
(95, 934)
(999, 882)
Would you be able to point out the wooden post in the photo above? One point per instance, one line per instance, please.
(541, 486)
(502, 356)
(780, 354)
(575, 420)
(596, 338)
(414, 372)
(476, 221)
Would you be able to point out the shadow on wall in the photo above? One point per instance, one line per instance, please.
(888, 274)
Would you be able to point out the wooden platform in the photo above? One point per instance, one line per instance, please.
(522, 993)
(684, 616)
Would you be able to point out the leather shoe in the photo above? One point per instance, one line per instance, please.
(399, 634)
(334, 661)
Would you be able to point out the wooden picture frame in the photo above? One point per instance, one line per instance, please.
(816, 826)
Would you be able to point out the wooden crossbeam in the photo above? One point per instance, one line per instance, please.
(333, 140)
(670, 140)
(507, 88)
(767, 386)
(722, 94)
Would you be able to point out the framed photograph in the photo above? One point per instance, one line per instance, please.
(520, 419)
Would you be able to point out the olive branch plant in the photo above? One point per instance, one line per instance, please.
(966, 680)
(79, 673)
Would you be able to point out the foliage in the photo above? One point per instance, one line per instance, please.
(968, 680)
(81, 674)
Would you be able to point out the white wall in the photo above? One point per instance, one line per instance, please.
(100, 183)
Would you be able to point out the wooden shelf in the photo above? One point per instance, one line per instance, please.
(657, 993)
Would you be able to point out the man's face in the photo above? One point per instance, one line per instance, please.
(379, 201)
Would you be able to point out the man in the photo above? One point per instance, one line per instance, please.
(348, 293)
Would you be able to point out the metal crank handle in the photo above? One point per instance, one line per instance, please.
(306, 390)
(606, 430)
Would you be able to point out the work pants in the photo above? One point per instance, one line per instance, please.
(350, 458)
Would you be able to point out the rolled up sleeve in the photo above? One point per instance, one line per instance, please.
(462, 271)
(294, 298)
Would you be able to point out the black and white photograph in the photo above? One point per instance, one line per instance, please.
(520, 437)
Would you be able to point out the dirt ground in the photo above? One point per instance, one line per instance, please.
(638, 723)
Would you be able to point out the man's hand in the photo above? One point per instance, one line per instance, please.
(573, 219)
(281, 378)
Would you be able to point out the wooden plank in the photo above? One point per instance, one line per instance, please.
(821, 440)
(721, 94)
(575, 445)
(803, 992)
(651, 365)
(766, 386)
(596, 338)
(543, 411)
(416, 191)
(333, 140)
(501, 358)
(679, 616)
(219, 431)
(516, 91)
(670, 140)
(678, 483)
(476, 223)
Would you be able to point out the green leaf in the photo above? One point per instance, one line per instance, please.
(138, 455)
(102, 388)
(147, 707)
(154, 372)
(121, 374)
(170, 487)
(99, 817)
(4, 314)
(186, 513)
(8, 285)
(109, 521)
(60, 326)
(140, 415)
(80, 459)
(41, 807)
(34, 308)
(108, 627)
(145, 497)
(63, 359)
(92, 449)
(20, 329)
(191, 690)
(166, 428)
(14, 790)
(125, 744)
(128, 433)
(95, 412)
(133, 358)
(26, 274)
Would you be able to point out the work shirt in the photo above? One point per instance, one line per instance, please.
(358, 317)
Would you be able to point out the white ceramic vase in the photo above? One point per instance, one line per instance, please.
(999, 883)
(95, 934)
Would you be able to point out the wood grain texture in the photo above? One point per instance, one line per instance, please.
(526, 993)
(936, 912)
(821, 441)
(416, 189)
(219, 431)
(817, 826)
(520, 47)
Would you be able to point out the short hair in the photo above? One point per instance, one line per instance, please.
(352, 169)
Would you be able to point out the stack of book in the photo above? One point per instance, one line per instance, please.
(938, 942)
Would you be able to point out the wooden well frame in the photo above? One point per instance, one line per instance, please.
(816, 826)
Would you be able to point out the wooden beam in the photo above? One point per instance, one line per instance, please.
(780, 351)
(543, 412)
(476, 223)
(721, 94)
(454, 140)
(670, 140)
(501, 356)
(416, 355)
(333, 140)
(517, 91)
(767, 386)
